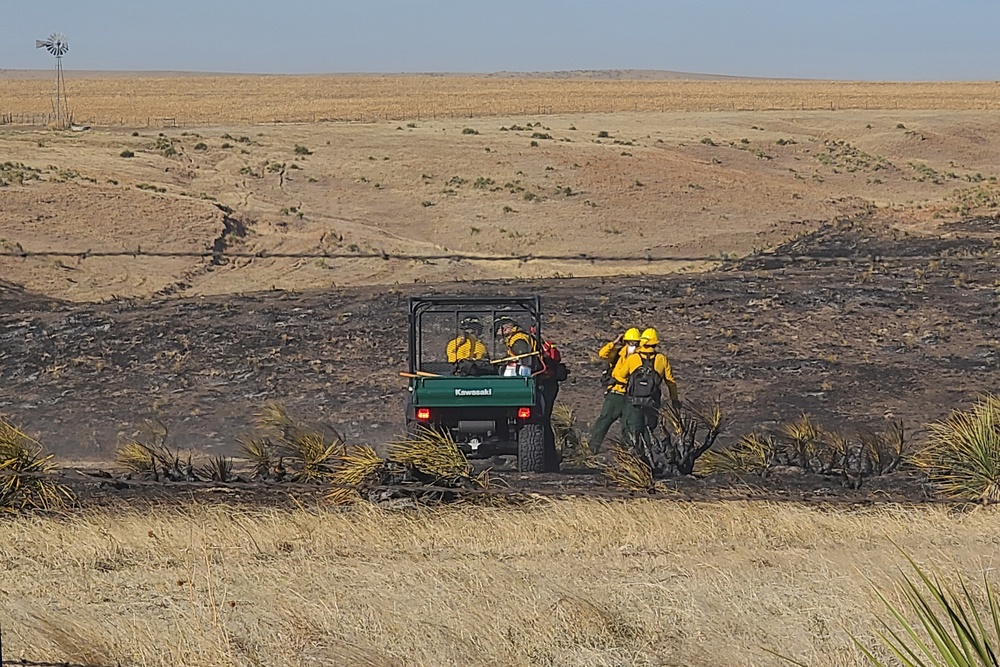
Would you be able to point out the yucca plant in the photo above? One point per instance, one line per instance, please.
(219, 469)
(358, 467)
(23, 466)
(573, 447)
(628, 471)
(950, 629)
(804, 442)
(963, 454)
(753, 453)
(311, 450)
(261, 454)
(433, 453)
(689, 433)
(137, 458)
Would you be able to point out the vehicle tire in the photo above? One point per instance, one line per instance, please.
(531, 448)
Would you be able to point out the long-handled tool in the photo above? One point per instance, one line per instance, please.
(516, 357)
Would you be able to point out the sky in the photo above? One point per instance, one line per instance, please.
(830, 39)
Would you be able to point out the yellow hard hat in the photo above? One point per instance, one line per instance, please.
(632, 335)
(649, 337)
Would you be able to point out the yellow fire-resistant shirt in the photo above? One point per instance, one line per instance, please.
(660, 364)
(465, 347)
(618, 371)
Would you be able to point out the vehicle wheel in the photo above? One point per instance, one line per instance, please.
(531, 448)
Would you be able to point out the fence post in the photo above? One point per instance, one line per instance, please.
(1, 644)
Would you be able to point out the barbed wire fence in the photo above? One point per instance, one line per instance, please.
(771, 258)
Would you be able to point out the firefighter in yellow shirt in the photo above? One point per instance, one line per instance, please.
(615, 378)
(645, 373)
(467, 346)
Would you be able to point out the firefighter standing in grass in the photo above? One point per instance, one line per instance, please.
(646, 372)
(615, 379)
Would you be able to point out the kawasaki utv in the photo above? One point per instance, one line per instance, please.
(464, 382)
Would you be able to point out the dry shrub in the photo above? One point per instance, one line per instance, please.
(262, 457)
(23, 465)
(424, 458)
(219, 469)
(627, 470)
(753, 453)
(358, 467)
(962, 457)
(571, 445)
(431, 453)
(804, 445)
(693, 430)
(311, 449)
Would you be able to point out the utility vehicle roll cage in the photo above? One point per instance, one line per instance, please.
(520, 308)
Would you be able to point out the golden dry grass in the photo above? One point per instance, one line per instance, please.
(566, 583)
(255, 99)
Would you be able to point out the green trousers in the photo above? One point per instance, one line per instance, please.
(611, 411)
(638, 421)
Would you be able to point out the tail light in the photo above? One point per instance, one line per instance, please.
(524, 413)
(423, 414)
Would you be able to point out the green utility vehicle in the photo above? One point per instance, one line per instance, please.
(464, 381)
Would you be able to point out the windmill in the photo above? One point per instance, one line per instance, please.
(57, 45)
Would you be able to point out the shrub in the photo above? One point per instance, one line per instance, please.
(603, 134)
(629, 471)
(201, 146)
(963, 454)
(469, 130)
(126, 153)
(541, 135)
(708, 141)
(23, 462)
(805, 445)
(302, 150)
(950, 628)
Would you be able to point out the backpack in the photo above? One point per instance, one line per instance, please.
(643, 387)
(552, 364)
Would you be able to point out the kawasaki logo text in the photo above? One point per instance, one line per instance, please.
(473, 392)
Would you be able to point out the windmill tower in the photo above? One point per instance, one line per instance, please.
(57, 45)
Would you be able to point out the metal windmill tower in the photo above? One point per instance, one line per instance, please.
(57, 45)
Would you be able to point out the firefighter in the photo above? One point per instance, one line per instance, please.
(467, 344)
(525, 357)
(521, 346)
(614, 379)
(645, 373)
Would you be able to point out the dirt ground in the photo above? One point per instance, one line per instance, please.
(853, 344)
(618, 185)
(91, 347)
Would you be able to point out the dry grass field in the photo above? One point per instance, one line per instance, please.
(628, 185)
(567, 583)
(228, 100)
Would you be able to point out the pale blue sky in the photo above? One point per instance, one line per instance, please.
(843, 39)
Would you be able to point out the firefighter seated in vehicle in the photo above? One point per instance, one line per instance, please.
(522, 348)
(467, 352)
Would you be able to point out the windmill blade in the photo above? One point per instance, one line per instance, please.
(41, 43)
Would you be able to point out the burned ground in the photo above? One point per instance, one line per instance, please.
(851, 343)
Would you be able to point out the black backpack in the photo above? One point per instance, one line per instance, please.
(643, 387)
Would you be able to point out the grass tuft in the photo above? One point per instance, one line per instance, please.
(963, 454)
(22, 462)
(626, 470)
